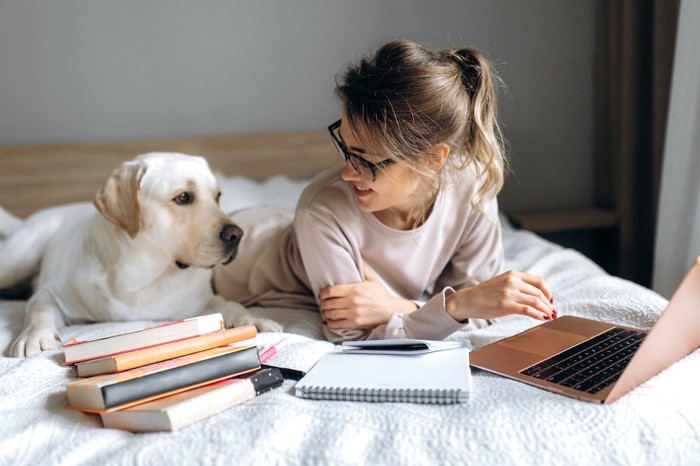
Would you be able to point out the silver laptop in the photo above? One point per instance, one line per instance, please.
(596, 361)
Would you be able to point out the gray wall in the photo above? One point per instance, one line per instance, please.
(91, 70)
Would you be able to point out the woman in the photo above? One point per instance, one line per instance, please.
(403, 240)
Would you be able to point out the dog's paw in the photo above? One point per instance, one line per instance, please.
(263, 325)
(267, 325)
(34, 340)
(235, 315)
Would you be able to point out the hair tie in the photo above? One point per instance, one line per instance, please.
(469, 68)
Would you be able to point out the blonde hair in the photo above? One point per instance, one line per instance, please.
(405, 99)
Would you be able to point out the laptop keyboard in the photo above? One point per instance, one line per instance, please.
(591, 365)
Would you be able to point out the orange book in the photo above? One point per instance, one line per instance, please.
(150, 355)
(109, 392)
(143, 338)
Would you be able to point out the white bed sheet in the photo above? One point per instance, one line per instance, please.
(504, 422)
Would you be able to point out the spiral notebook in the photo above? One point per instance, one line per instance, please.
(438, 377)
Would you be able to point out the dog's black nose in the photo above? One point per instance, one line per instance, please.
(231, 234)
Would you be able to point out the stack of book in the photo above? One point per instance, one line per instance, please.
(166, 377)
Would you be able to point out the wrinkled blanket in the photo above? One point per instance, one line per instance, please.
(504, 422)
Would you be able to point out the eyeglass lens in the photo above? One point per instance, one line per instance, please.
(355, 161)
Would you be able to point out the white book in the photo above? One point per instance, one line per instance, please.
(143, 338)
(439, 377)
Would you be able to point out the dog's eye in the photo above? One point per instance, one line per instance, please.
(218, 197)
(184, 198)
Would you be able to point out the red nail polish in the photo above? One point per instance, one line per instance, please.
(551, 300)
(546, 317)
(554, 314)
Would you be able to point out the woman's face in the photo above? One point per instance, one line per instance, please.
(393, 196)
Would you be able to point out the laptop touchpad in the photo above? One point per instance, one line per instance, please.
(542, 341)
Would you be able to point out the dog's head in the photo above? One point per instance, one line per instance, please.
(172, 201)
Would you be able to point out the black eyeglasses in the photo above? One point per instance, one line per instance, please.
(363, 167)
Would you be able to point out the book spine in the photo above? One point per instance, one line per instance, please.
(384, 395)
(181, 377)
(159, 353)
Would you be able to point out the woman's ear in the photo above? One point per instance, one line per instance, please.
(440, 152)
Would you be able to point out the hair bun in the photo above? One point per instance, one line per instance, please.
(469, 63)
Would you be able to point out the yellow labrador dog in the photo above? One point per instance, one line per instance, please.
(145, 250)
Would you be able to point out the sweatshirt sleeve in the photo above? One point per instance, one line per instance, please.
(329, 258)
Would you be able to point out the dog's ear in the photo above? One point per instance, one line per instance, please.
(119, 200)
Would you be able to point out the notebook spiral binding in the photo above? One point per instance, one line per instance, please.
(375, 395)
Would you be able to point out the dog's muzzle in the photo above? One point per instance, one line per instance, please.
(231, 235)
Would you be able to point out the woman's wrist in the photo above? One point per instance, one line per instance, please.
(453, 308)
(404, 305)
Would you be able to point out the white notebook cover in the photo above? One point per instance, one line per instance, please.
(436, 377)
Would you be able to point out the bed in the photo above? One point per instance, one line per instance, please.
(504, 422)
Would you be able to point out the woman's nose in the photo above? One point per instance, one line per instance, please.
(349, 173)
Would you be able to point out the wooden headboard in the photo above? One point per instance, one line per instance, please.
(33, 177)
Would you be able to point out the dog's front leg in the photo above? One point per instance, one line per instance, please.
(39, 333)
(235, 315)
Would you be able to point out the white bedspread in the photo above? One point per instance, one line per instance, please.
(504, 422)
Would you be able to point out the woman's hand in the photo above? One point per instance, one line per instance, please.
(366, 304)
(509, 293)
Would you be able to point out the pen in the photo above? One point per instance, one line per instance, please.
(266, 347)
(267, 353)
